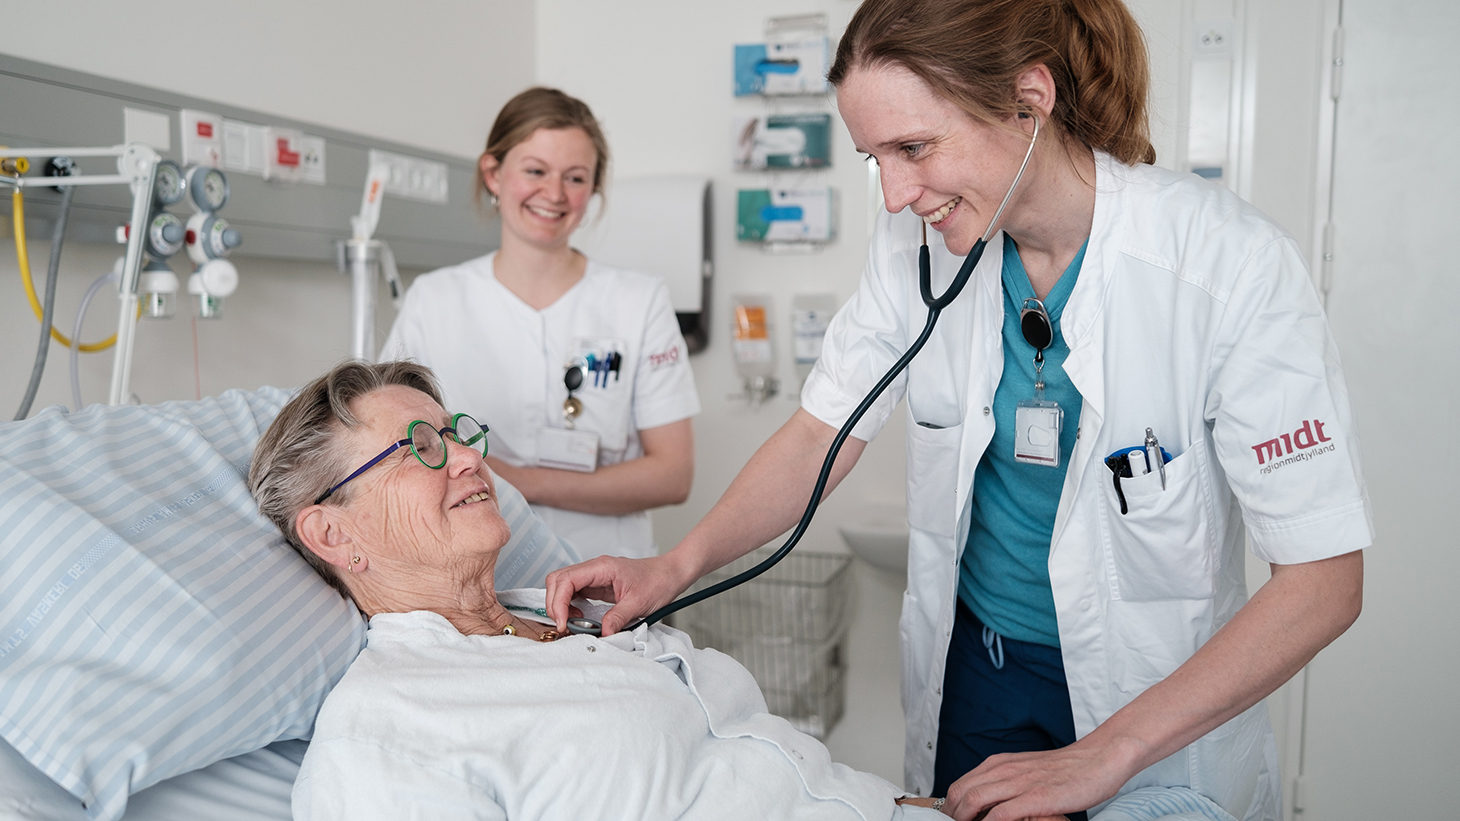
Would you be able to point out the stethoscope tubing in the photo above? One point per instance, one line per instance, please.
(935, 308)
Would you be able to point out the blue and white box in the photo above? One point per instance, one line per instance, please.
(791, 68)
(784, 215)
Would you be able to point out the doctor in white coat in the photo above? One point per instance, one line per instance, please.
(1069, 633)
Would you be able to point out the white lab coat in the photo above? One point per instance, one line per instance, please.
(430, 723)
(1193, 315)
(503, 361)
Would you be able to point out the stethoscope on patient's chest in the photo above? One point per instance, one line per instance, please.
(1034, 322)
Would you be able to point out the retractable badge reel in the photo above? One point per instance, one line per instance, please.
(567, 448)
(572, 406)
(1037, 421)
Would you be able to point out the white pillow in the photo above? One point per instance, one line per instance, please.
(152, 621)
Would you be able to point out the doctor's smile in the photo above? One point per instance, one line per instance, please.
(936, 218)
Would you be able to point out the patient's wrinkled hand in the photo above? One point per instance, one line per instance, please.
(638, 587)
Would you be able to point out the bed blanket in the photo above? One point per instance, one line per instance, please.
(430, 723)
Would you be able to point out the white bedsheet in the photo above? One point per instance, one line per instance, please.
(431, 723)
(251, 787)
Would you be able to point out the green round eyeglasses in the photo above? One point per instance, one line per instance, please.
(428, 444)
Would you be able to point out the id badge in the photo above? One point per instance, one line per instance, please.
(1037, 432)
(567, 449)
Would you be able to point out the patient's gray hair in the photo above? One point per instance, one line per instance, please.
(297, 459)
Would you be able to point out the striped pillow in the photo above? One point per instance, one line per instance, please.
(152, 621)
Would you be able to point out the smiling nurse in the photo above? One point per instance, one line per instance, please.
(578, 369)
(1069, 633)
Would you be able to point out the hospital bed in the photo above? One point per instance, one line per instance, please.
(163, 651)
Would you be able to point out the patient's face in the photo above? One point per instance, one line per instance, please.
(408, 516)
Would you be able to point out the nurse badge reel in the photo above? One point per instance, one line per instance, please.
(1037, 421)
(567, 448)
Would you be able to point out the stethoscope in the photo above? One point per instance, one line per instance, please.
(935, 307)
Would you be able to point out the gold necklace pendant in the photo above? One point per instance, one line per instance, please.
(545, 636)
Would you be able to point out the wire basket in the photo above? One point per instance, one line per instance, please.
(788, 626)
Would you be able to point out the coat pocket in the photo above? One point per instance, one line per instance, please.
(932, 477)
(1164, 547)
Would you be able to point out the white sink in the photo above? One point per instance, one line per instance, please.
(878, 535)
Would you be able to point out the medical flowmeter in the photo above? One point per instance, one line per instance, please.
(210, 239)
(157, 285)
(209, 236)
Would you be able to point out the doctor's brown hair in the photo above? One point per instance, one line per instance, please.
(971, 52)
(536, 108)
(298, 457)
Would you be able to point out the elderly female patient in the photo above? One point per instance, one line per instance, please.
(462, 706)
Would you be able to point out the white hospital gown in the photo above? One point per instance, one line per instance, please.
(429, 723)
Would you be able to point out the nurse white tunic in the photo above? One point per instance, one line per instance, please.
(503, 362)
(1194, 316)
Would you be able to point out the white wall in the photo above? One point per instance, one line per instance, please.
(1382, 712)
(432, 76)
(427, 74)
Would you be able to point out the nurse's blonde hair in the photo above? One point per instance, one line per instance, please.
(971, 52)
(537, 108)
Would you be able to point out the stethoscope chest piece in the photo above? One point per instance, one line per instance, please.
(585, 627)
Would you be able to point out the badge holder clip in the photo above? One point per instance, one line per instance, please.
(566, 448)
(1037, 421)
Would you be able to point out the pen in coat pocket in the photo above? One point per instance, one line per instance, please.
(1154, 455)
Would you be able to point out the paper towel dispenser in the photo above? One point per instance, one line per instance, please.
(659, 225)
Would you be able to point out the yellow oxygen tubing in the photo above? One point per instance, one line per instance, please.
(22, 258)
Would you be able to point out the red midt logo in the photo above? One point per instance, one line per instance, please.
(1298, 446)
(659, 360)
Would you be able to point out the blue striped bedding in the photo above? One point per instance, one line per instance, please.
(151, 620)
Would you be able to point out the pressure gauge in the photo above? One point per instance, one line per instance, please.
(172, 186)
(208, 188)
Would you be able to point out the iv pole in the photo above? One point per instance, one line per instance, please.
(137, 167)
(363, 257)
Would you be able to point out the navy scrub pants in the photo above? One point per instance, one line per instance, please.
(1022, 707)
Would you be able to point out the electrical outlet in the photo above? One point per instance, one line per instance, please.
(311, 160)
(283, 154)
(202, 138)
(412, 178)
(1212, 39)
